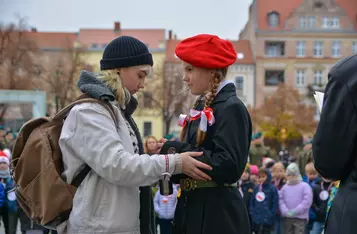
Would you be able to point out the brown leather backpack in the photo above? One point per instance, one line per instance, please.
(37, 165)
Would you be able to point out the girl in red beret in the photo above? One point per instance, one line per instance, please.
(220, 126)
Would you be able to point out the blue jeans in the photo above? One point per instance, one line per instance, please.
(317, 228)
(278, 225)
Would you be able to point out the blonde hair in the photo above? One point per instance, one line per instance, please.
(112, 79)
(310, 168)
(146, 143)
(218, 76)
(278, 165)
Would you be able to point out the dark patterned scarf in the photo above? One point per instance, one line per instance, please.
(147, 217)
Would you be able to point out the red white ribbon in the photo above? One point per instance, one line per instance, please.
(207, 118)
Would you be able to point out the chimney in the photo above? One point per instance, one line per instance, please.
(170, 34)
(33, 29)
(117, 26)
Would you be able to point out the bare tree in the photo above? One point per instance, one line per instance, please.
(62, 70)
(17, 60)
(168, 93)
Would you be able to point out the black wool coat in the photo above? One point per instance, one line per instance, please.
(335, 146)
(226, 148)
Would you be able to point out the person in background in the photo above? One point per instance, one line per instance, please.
(150, 145)
(312, 178)
(28, 226)
(321, 194)
(295, 201)
(279, 180)
(267, 162)
(10, 139)
(2, 136)
(254, 174)
(264, 203)
(246, 188)
(9, 209)
(165, 208)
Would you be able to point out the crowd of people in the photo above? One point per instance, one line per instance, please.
(214, 189)
(278, 198)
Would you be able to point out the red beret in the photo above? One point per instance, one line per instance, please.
(206, 51)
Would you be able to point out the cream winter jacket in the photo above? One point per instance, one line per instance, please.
(107, 201)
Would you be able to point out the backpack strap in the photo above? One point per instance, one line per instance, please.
(62, 114)
(81, 175)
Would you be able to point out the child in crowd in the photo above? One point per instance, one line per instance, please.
(268, 163)
(9, 210)
(279, 180)
(165, 208)
(246, 188)
(295, 201)
(254, 172)
(311, 177)
(319, 206)
(264, 204)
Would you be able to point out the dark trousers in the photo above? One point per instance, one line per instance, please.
(262, 229)
(9, 220)
(165, 226)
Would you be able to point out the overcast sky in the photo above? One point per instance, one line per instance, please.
(185, 17)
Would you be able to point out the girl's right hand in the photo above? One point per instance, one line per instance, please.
(191, 166)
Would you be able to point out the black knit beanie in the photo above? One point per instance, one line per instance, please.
(125, 51)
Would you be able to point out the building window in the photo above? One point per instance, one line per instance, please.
(274, 49)
(274, 77)
(318, 48)
(302, 21)
(147, 102)
(147, 129)
(239, 82)
(354, 47)
(273, 19)
(300, 48)
(312, 21)
(318, 77)
(330, 22)
(325, 22)
(94, 45)
(300, 78)
(336, 48)
(335, 22)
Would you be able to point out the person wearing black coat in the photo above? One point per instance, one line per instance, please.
(246, 188)
(321, 193)
(334, 144)
(219, 126)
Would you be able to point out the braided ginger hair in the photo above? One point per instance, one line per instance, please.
(218, 76)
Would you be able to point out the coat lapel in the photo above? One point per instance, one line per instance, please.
(227, 91)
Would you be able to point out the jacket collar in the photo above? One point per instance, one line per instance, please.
(226, 90)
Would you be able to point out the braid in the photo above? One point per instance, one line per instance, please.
(217, 77)
(184, 129)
